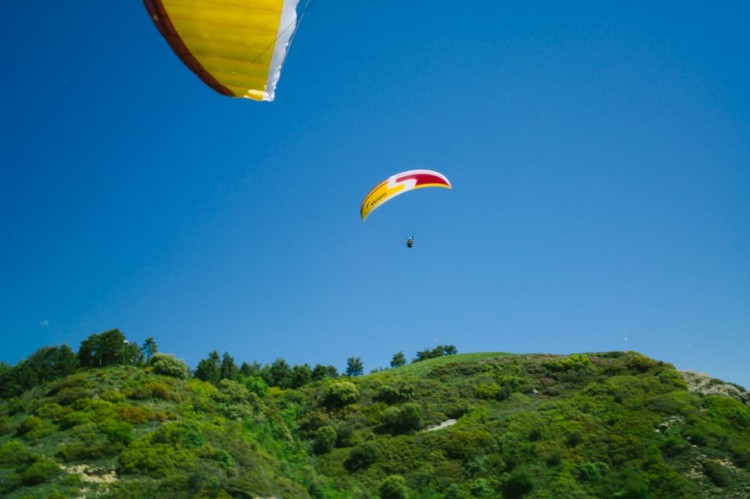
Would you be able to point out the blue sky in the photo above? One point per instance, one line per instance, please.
(599, 153)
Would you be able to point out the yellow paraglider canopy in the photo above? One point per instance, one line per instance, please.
(237, 47)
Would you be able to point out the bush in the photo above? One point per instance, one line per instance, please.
(592, 472)
(393, 487)
(340, 394)
(33, 427)
(168, 365)
(149, 390)
(519, 484)
(113, 396)
(118, 432)
(255, 384)
(52, 411)
(404, 419)
(154, 458)
(40, 471)
(487, 391)
(391, 394)
(717, 473)
(183, 433)
(74, 419)
(232, 392)
(325, 439)
(136, 415)
(67, 396)
(13, 452)
(361, 457)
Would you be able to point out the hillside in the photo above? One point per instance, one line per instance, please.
(614, 424)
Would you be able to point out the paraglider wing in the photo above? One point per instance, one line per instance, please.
(237, 47)
(398, 184)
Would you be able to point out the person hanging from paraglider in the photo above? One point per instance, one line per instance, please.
(410, 241)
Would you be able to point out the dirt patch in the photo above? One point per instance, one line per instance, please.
(444, 424)
(93, 474)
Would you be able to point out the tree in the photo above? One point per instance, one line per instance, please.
(438, 351)
(354, 366)
(228, 369)
(50, 363)
(254, 384)
(250, 369)
(321, 372)
(17, 379)
(208, 369)
(301, 375)
(398, 360)
(280, 374)
(107, 349)
(423, 355)
(149, 348)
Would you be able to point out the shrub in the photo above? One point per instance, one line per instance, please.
(149, 390)
(404, 419)
(575, 362)
(90, 451)
(391, 394)
(31, 427)
(592, 472)
(40, 471)
(13, 452)
(361, 457)
(488, 391)
(136, 415)
(118, 432)
(185, 433)
(573, 438)
(325, 439)
(155, 459)
(74, 419)
(67, 396)
(113, 396)
(232, 392)
(717, 473)
(168, 365)
(640, 363)
(393, 487)
(520, 483)
(466, 443)
(52, 411)
(340, 394)
(255, 384)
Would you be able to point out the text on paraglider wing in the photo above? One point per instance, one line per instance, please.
(376, 200)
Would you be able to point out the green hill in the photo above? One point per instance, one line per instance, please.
(489, 425)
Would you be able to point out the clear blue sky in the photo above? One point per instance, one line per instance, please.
(599, 152)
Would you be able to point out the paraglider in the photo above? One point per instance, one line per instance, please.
(398, 184)
(237, 47)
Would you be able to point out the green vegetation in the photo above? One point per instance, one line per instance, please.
(457, 426)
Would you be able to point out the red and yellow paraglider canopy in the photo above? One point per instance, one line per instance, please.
(237, 47)
(398, 184)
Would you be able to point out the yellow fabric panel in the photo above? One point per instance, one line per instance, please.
(232, 39)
